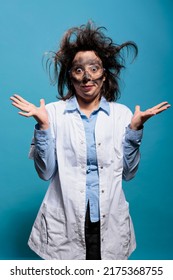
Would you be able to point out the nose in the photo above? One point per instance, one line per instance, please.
(86, 77)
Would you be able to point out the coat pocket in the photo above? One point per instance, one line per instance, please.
(52, 225)
(124, 229)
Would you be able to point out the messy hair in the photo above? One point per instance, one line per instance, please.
(88, 38)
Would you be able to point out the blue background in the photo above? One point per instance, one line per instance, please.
(27, 30)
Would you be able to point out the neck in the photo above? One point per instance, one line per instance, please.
(87, 107)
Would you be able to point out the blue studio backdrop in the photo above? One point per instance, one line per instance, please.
(28, 28)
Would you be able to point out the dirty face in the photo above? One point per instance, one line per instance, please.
(87, 75)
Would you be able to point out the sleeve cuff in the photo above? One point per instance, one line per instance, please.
(41, 134)
(134, 135)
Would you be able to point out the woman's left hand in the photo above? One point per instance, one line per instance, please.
(140, 117)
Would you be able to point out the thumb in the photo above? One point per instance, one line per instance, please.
(42, 103)
(137, 108)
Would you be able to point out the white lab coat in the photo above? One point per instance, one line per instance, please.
(58, 231)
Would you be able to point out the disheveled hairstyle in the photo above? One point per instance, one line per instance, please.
(88, 38)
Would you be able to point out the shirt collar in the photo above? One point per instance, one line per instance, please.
(72, 105)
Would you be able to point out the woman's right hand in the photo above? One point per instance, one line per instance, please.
(30, 110)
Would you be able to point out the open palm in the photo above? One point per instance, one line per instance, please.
(30, 110)
(140, 117)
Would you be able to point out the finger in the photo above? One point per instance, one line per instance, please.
(155, 110)
(25, 114)
(163, 109)
(17, 97)
(160, 105)
(16, 102)
(14, 99)
(21, 106)
(16, 105)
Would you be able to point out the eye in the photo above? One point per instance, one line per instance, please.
(94, 68)
(78, 70)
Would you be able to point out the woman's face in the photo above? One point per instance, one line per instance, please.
(87, 75)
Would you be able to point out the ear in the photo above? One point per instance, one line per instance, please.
(105, 74)
(104, 77)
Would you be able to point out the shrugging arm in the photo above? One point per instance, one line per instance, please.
(43, 153)
(131, 153)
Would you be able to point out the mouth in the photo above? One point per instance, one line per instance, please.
(87, 87)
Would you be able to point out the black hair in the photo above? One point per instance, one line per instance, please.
(85, 38)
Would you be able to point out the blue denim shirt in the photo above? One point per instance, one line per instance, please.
(92, 176)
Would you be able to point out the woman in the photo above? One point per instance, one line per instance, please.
(85, 144)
